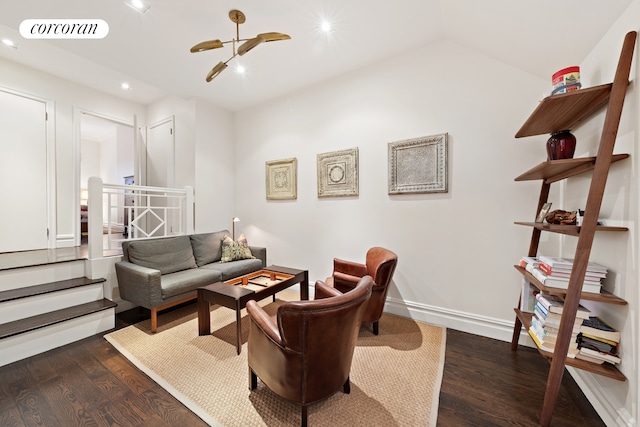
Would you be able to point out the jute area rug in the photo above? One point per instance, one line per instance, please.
(395, 376)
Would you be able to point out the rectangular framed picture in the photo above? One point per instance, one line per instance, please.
(281, 179)
(338, 173)
(543, 212)
(418, 165)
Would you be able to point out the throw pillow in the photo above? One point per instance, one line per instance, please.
(233, 251)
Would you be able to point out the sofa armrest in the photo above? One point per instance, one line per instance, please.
(139, 285)
(260, 253)
(349, 268)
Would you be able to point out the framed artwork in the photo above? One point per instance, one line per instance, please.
(418, 165)
(338, 173)
(281, 179)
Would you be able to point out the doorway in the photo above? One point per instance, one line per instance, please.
(107, 150)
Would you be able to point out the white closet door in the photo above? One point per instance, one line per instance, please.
(23, 173)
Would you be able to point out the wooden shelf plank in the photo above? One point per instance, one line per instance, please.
(572, 230)
(563, 111)
(556, 170)
(603, 296)
(606, 369)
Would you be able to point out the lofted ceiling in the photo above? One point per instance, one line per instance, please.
(151, 51)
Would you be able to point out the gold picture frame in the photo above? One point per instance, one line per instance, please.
(338, 173)
(281, 179)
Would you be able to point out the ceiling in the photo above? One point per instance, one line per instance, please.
(151, 51)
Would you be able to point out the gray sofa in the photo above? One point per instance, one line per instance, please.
(161, 273)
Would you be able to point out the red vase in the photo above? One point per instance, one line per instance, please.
(561, 145)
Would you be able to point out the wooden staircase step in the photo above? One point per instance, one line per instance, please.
(46, 288)
(54, 317)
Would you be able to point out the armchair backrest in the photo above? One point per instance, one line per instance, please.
(381, 264)
(324, 333)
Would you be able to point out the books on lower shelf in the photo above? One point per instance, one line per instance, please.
(598, 342)
(545, 324)
(597, 327)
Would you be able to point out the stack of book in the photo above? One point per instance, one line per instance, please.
(555, 273)
(598, 342)
(545, 323)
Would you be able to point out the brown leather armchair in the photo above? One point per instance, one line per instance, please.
(380, 265)
(304, 353)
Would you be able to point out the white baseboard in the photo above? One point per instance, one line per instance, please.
(593, 387)
(65, 241)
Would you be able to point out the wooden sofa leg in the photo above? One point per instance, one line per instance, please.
(375, 328)
(154, 320)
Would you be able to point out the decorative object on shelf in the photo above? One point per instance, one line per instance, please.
(418, 165)
(566, 80)
(338, 173)
(561, 145)
(561, 217)
(281, 179)
(543, 212)
(238, 18)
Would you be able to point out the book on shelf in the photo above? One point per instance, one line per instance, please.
(590, 359)
(567, 263)
(606, 346)
(554, 282)
(554, 329)
(552, 321)
(555, 304)
(566, 272)
(571, 352)
(599, 355)
(596, 327)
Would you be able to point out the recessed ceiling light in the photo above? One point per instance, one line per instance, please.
(138, 6)
(325, 26)
(125, 86)
(9, 43)
(240, 69)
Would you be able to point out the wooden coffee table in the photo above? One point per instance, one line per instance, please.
(256, 286)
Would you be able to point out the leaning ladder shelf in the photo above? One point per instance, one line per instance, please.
(555, 113)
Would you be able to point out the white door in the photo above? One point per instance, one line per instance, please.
(23, 173)
(160, 173)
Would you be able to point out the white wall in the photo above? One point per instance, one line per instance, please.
(214, 168)
(456, 250)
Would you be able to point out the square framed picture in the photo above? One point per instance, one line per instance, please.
(418, 165)
(281, 179)
(543, 212)
(338, 173)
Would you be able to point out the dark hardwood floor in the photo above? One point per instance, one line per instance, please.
(89, 383)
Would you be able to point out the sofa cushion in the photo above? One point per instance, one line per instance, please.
(168, 255)
(233, 251)
(185, 281)
(231, 270)
(207, 247)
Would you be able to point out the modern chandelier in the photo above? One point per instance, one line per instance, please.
(239, 18)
